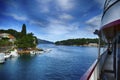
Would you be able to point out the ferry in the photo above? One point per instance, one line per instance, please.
(107, 65)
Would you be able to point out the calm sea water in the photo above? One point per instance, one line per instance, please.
(62, 63)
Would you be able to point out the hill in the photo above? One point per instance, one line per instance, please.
(40, 41)
(79, 41)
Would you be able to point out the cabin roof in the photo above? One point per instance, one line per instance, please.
(109, 31)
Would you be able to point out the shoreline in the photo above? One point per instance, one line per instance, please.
(27, 51)
(7, 50)
(80, 45)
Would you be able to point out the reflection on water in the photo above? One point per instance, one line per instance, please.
(62, 63)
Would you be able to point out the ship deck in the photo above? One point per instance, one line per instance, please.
(108, 69)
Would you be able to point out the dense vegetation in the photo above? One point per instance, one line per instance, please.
(5, 42)
(24, 40)
(80, 41)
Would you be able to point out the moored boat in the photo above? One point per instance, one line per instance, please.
(32, 52)
(2, 58)
(7, 56)
(14, 53)
(48, 50)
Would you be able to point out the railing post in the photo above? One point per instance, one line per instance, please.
(99, 42)
(99, 48)
(98, 65)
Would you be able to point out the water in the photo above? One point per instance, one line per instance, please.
(62, 63)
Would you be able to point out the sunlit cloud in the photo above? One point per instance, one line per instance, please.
(94, 22)
(66, 4)
(16, 17)
(36, 22)
(66, 17)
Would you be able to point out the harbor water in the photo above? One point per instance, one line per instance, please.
(62, 63)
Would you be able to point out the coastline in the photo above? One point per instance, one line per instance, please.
(27, 51)
(82, 45)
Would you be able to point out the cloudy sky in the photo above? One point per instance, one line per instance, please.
(52, 20)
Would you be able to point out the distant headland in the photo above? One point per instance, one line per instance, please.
(80, 42)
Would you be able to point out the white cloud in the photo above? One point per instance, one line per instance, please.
(23, 18)
(66, 17)
(65, 4)
(45, 5)
(55, 21)
(94, 22)
(16, 17)
(35, 22)
(59, 27)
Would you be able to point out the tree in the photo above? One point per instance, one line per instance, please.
(23, 29)
(26, 41)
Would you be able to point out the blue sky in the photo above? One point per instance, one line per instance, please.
(53, 20)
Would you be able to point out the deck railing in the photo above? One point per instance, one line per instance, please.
(93, 73)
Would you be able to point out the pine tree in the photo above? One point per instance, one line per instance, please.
(23, 31)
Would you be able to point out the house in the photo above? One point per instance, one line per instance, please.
(9, 36)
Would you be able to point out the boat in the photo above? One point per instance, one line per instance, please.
(107, 65)
(36, 52)
(32, 52)
(7, 56)
(2, 58)
(48, 50)
(14, 53)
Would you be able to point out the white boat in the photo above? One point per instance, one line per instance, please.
(7, 56)
(14, 53)
(32, 52)
(2, 58)
(36, 52)
(40, 52)
(48, 50)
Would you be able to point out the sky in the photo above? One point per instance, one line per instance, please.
(53, 20)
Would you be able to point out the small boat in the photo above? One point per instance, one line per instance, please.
(36, 52)
(48, 50)
(40, 52)
(32, 52)
(14, 53)
(7, 56)
(2, 58)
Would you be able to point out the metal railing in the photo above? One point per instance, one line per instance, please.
(94, 71)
